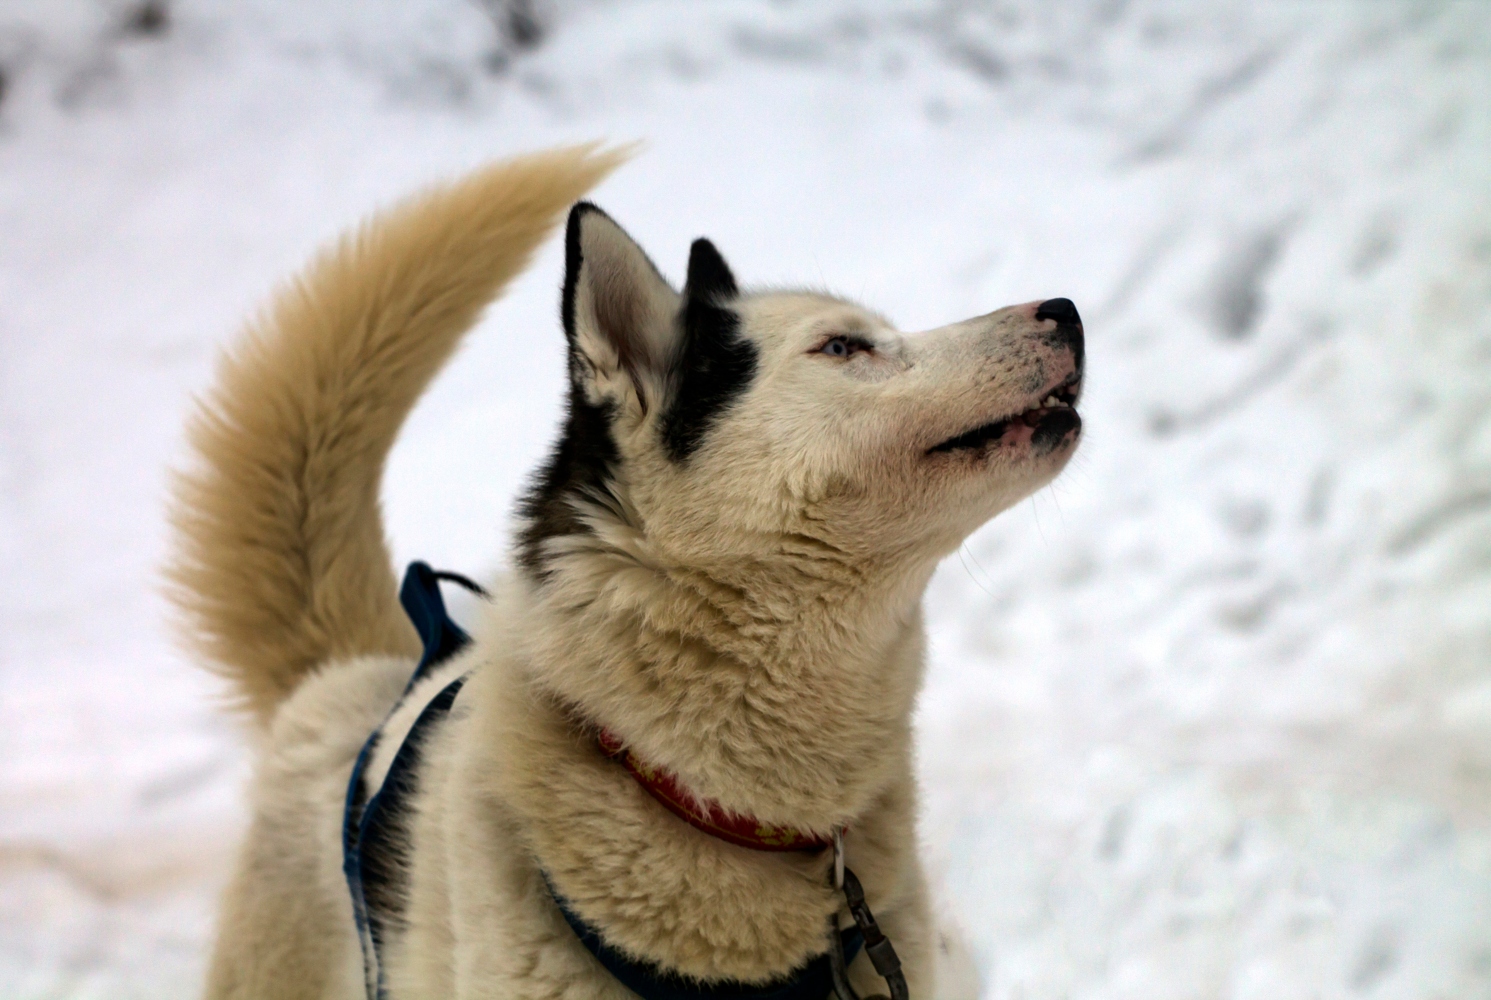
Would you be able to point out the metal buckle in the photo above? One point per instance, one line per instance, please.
(877, 945)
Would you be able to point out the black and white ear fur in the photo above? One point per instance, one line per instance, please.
(621, 325)
(635, 347)
(619, 315)
(715, 363)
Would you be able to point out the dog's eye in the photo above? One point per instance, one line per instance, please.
(842, 347)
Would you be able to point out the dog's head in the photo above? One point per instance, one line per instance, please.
(729, 425)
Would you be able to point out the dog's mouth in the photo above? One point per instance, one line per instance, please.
(1050, 420)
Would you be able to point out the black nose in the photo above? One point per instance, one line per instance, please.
(1061, 310)
(1068, 332)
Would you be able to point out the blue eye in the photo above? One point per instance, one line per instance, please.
(846, 345)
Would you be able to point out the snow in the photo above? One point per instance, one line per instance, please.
(1210, 717)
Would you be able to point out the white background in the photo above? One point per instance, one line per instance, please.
(1210, 717)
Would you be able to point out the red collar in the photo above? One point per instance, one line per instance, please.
(712, 818)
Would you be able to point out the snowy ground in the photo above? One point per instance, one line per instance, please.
(1209, 718)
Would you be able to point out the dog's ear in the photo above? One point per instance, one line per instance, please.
(620, 315)
(715, 364)
(709, 279)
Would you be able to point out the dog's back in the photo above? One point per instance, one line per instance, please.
(281, 562)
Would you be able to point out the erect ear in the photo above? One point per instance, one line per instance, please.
(716, 364)
(709, 277)
(619, 313)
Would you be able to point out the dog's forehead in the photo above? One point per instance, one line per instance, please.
(785, 313)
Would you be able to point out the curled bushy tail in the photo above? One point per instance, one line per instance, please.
(281, 561)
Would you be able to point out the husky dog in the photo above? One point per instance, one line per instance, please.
(719, 567)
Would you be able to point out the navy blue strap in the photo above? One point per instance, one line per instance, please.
(814, 981)
(371, 840)
(420, 596)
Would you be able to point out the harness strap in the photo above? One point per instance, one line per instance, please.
(813, 981)
(370, 835)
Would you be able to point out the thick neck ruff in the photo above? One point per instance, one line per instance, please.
(370, 832)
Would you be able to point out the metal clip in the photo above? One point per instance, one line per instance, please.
(877, 945)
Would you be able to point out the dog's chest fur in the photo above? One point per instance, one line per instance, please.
(514, 781)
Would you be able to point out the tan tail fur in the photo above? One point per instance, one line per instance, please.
(281, 562)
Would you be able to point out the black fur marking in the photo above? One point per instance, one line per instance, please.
(716, 364)
(579, 467)
(709, 276)
(572, 261)
(582, 460)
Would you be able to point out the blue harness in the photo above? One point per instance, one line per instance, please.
(371, 838)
